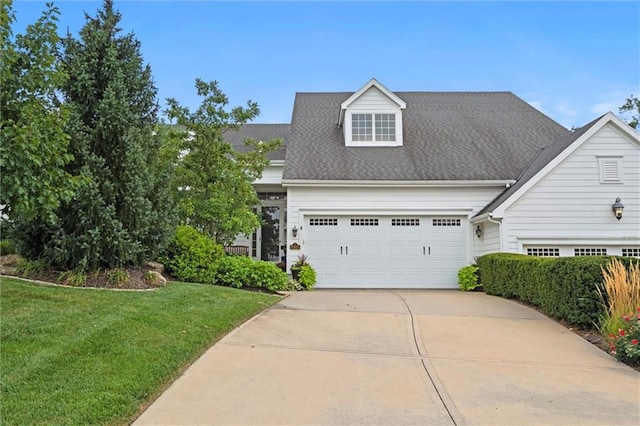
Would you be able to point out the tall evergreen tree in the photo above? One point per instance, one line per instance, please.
(118, 219)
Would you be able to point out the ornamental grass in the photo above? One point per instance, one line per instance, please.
(621, 296)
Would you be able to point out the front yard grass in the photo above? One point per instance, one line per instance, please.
(80, 356)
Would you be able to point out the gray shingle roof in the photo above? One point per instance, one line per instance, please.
(447, 136)
(260, 132)
(542, 158)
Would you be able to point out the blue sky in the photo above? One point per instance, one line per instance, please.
(572, 60)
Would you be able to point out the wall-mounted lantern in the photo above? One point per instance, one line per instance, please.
(617, 208)
(294, 231)
(479, 231)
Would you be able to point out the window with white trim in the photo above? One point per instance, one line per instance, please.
(543, 251)
(631, 251)
(610, 169)
(589, 251)
(373, 127)
(361, 128)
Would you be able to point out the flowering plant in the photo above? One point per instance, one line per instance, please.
(625, 345)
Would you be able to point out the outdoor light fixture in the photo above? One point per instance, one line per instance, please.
(617, 208)
(479, 231)
(294, 231)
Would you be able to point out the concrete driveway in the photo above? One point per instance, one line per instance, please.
(384, 357)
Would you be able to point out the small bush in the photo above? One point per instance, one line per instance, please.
(307, 277)
(468, 278)
(26, 268)
(73, 278)
(241, 271)
(192, 256)
(7, 247)
(625, 343)
(233, 271)
(117, 277)
(292, 285)
(268, 275)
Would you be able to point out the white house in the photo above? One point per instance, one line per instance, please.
(384, 189)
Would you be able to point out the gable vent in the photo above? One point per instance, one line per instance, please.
(610, 169)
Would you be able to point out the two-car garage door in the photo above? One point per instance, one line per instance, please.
(385, 251)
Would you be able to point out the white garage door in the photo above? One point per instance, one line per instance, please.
(386, 252)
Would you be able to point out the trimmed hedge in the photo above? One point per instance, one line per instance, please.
(564, 288)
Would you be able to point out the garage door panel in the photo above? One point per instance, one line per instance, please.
(387, 252)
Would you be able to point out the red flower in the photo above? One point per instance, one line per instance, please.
(621, 332)
(626, 318)
(634, 342)
(638, 308)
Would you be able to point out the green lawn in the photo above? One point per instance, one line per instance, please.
(79, 356)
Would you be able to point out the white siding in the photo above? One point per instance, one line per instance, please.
(272, 175)
(378, 201)
(490, 240)
(571, 206)
(373, 100)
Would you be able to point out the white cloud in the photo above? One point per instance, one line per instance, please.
(603, 107)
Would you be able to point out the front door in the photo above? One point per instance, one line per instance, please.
(269, 241)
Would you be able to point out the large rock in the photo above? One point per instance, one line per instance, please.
(155, 266)
(8, 264)
(155, 278)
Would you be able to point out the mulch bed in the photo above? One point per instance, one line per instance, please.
(97, 279)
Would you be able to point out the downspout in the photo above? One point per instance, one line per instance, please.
(499, 223)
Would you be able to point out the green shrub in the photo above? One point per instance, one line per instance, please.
(234, 271)
(307, 276)
(192, 256)
(26, 268)
(7, 247)
(242, 271)
(468, 278)
(292, 285)
(565, 288)
(268, 275)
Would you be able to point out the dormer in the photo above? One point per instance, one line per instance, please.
(372, 116)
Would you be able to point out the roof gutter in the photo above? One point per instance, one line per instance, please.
(398, 183)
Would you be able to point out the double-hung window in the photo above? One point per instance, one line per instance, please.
(373, 127)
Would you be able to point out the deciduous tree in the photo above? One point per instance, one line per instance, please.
(631, 111)
(214, 182)
(33, 151)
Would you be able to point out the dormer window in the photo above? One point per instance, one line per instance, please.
(363, 129)
(372, 117)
